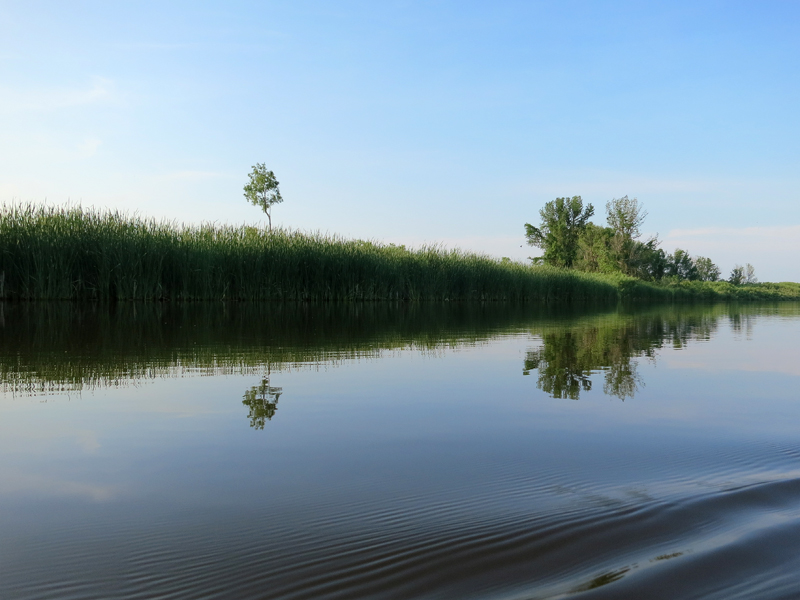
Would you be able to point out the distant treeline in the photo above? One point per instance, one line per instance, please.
(69, 253)
(571, 241)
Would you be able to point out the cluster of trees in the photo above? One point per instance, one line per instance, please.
(570, 240)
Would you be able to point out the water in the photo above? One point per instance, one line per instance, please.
(396, 451)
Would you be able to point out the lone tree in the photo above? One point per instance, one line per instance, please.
(262, 190)
(563, 221)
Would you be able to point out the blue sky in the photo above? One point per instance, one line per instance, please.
(414, 122)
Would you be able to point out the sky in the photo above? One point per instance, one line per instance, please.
(415, 122)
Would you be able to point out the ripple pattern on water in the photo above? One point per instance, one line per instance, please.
(497, 487)
(731, 535)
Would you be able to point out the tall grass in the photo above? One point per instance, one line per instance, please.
(54, 253)
(70, 253)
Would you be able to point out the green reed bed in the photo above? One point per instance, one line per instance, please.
(69, 253)
(72, 253)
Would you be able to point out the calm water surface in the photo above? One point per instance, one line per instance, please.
(378, 451)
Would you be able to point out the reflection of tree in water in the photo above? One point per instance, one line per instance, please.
(622, 380)
(48, 348)
(262, 400)
(561, 372)
(570, 354)
(742, 323)
(566, 361)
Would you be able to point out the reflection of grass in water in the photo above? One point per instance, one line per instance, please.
(48, 348)
(53, 347)
(667, 556)
(602, 580)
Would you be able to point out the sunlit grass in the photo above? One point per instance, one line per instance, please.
(71, 253)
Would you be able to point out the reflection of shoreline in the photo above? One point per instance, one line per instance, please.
(63, 347)
(569, 356)
(48, 348)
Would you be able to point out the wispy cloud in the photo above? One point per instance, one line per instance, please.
(49, 99)
(192, 175)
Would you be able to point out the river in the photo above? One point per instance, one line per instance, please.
(399, 451)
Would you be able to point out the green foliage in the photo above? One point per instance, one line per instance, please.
(569, 240)
(47, 347)
(654, 262)
(725, 290)
(737, 275)
(625, 217)
(617, 249)
(262, 190)
(680, 265)
(262, 401)
(49, 253)
(706, 269)
(563, 222)
(743, 275)
(594, 250)
(575, 352)
(71, 253)
(750, 274)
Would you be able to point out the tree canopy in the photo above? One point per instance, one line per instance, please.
(706, 269)
(563, 222)
(741, 275)
(569, 239)
(625, 216)
(262, 190)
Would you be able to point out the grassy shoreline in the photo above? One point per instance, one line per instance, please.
(69, 253)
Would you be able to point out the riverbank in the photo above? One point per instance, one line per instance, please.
(58, 253)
